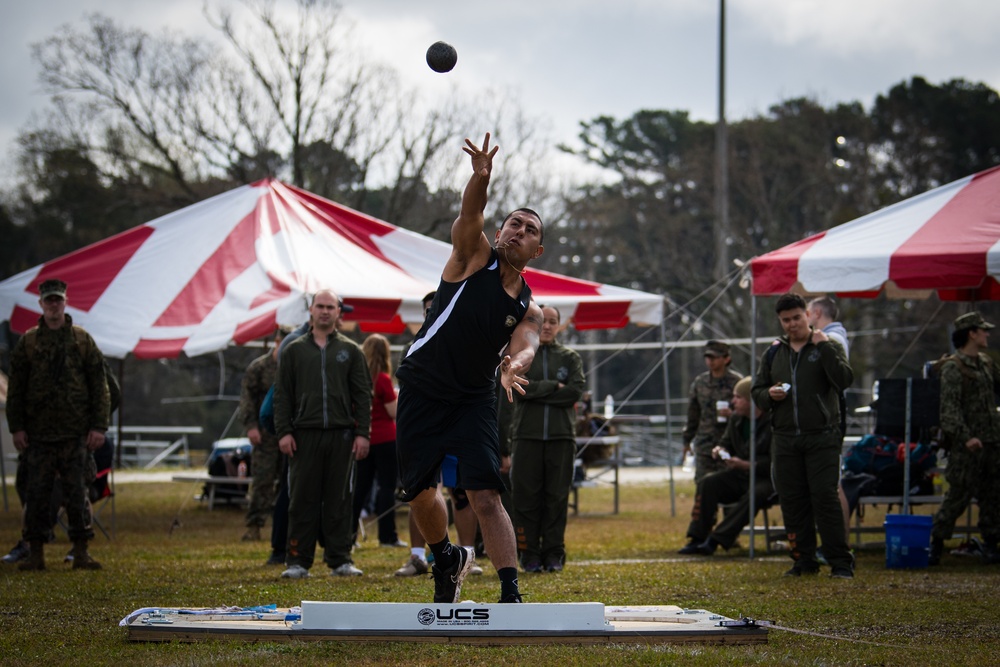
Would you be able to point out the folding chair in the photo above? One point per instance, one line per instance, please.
(100, 494)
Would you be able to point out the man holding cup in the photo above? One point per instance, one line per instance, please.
(708, 408)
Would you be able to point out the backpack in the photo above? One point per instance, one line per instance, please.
(80, 335)
(872, 454)
(266, 415)
(968, 378)
(882, 458)
(968, 375)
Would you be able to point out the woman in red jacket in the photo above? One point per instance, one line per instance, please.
(380, 464)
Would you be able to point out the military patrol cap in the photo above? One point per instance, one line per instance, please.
(971, 320)
(52, 287)
(716, 348)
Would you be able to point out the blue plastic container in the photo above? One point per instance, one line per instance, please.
(907, 540)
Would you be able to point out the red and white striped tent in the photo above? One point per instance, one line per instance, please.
(946, 240)
(228, 269)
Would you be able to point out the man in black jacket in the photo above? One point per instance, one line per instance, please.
(799, 383)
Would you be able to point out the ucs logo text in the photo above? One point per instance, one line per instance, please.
(463, 614)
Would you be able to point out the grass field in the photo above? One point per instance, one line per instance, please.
(945, 615)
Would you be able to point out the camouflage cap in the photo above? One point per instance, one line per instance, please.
(971, 320)
(716, 348)
(52, 287)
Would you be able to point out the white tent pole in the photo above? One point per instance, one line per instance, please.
(3, 479)
(666, 411)
(753, 421)
(907, 438)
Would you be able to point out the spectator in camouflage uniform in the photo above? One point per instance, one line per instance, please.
(969, 380)
(704, 429)
(266, 459)
(57, 410)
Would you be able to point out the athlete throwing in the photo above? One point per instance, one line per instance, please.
(482, 316)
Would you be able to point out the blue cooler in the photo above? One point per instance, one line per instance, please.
(907, 540)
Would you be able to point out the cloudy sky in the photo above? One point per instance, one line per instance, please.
(572, 60)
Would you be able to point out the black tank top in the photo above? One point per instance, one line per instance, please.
(455, 354)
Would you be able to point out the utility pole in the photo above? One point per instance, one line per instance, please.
(722, 233)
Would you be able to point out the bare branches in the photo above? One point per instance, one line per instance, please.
(131, 83)
(296, 67)
(288, 97)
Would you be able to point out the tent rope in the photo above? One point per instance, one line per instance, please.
(661, 359)
(915, 339)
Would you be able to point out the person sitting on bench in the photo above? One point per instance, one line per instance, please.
(732, 485)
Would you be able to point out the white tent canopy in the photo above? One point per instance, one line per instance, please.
(230, 268)
(946, 240)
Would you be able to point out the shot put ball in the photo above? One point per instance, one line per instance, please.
(441, 57)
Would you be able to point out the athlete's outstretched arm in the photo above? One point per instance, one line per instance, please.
(468, 242)
(521, 351)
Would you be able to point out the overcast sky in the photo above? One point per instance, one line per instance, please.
(572, 60)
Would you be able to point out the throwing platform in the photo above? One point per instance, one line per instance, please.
(464, 623)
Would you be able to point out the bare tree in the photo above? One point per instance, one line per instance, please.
(120, 91)
(290, 98)
(302, 72)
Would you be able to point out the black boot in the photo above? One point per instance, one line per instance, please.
(36, 559)
(937, 549)
(82, 559)
(708, 547)
(990, 554)
(691, 548)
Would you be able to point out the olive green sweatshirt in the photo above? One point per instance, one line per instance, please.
(817, 375)
(324, 388)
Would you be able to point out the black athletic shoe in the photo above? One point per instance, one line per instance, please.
(20, 552)
(690, 549)
(554, 564)
(448, 583)
(532, 566)
(707, 548)
(512, 597)
(937, 548)
(990, 555)
(801, 568)
(276, 559)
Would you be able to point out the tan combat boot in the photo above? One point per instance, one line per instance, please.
(36, 559)
(252, 534)
(82, 559)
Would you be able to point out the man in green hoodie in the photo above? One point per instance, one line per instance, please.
(544, 435)
(322, 418)
(800, 378)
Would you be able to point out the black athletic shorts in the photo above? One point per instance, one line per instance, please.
(426, 430)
